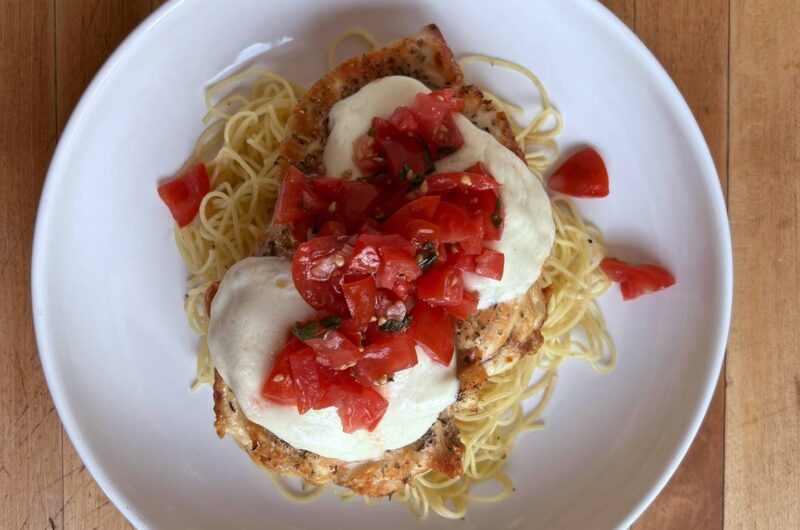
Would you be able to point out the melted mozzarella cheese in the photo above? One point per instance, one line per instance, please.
(254, 307)
(529, 230)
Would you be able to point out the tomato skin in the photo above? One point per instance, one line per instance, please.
(455, 224)
(441, 286)
(332, 228)
(490, 264)
(467, 307)
(436, 124)
(360, 297)
(461, 260)
(584, 175)
(421, 233)
(384, 358)
(400, 149)
(334, 350)
(355, 199)
(365, 258)
(387, 240)
(636, 281)
(464, 180)
(433, 328)
(184, 193)
(289, 206)
(358, 407)
(310, 380)
(368, 156)
(397, 267)
(278, 387)
(422, 208)
(317, 274)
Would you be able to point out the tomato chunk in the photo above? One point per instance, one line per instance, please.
(309, 378)
(436, 123)
(433, 328)
(334, 350)
(360, 298)
(405, 154)
(455, 224)
(289, 206)
(635, 281)
(278, 387)
(317, 271)
(441, 286)
(490, 264)
(467, 307)
(385, 357)
(584, 174)
(422, 208)
(461, 180)
(359, 407)
(397, 267)
(184, 193)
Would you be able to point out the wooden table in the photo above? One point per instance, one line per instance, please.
(737, 62)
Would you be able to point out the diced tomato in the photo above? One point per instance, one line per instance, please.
(365, 258)
(368, 156)
(462, 180)
(436, 123)
(405, 155)
(384, 358)
(334, 350)
(278, 387)
(421, 233)
(397, 267)
(332, 228)
(472, 245)
(184, 193)
(351, 329)
(289, 206)
(404, 120)
(317, 271)
(441, 286)
(455, 224)
(358, 407)
(328, 188)
(309, 378)
(387, 240)
(356, 198)
(360, 298)
(467, 307)
(422, 208)
(362, 410)
(635, 281)
(461, 260)
(584, 174)
(483, 205)
(433, 328)
(490, 264)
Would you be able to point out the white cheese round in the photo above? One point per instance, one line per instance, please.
(529, 230)
(253, 309)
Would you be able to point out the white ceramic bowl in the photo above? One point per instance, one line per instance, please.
(108, 283)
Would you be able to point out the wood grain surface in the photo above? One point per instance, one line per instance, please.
(737, 62)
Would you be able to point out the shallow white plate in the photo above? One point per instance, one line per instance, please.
(108, 283)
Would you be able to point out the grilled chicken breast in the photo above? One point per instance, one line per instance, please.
(488, 343)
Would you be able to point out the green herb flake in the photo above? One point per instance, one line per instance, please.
(497, 218)
(395, 325)
(316, 329)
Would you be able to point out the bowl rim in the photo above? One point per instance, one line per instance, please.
(602, 16)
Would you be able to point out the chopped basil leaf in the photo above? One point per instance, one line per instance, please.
(395, 325)
(416, 181)
(316, 329)
(427, 160)
(427, 260)
(371, 131)
(497, 219)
